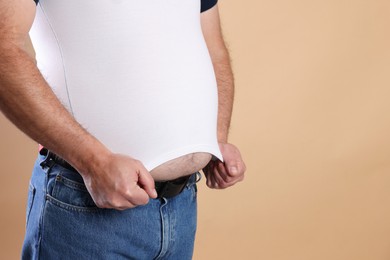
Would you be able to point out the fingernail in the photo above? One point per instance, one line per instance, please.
(154, 193)
(233, 169)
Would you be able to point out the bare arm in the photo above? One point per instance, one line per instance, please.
(27, 100)
(219, 174)
(212, 32)
(25, 97)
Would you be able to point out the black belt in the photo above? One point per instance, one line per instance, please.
(166, 189)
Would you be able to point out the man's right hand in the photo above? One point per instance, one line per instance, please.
(114, 181)
(119, 182)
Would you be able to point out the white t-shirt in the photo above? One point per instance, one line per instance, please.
(136, 74)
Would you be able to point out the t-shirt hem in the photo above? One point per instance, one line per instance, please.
(183, 151)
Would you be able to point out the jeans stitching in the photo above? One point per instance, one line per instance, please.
(70, 207)
(31, 197)
(71, 183)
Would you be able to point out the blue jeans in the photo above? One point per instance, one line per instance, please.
(63, 222)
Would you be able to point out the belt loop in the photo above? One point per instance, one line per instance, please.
(47, 162)
(194, 178)
(43, 151)
(198, 177)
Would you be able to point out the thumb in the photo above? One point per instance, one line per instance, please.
(231, 167)
(146, 181)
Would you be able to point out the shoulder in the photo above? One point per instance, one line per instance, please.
(207, 4)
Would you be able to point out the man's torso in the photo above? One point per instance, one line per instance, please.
(136, 74)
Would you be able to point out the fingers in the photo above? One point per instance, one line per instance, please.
(209, 173)
(221, 175)
(217, 176)
(146, 182)
(225, 177)
(124, 197)
(234, 164)
(121, 204)
(234, 169)
(139, 192)
(123, 183)
(136, 196)
(216, 180)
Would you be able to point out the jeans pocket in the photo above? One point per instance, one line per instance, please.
(30, 201)
(70, 194)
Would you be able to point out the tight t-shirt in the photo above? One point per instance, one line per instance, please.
(136, 74)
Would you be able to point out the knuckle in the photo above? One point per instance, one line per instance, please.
(101, 204)
(138, 197)
(129, 193)
(221, 182)
(116, 203)
(229, 179)
(141, 201)
(222, 186)
(145, 200)
(129, 206)
(211, 185)
(121, 208)
(218, 180)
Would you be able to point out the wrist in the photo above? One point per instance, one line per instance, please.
(222, 137)
(90, 157)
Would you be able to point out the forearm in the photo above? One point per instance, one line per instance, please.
(225, 82)
(212, 32)
(27, 100)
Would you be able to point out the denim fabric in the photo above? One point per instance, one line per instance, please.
(62, 222)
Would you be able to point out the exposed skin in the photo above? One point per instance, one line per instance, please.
(219, 174)
(113, 180)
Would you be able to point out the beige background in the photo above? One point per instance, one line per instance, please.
(312, 119)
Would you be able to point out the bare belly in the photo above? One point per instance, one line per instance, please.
(181, 166)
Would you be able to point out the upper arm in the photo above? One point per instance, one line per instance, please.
(16, 18)
(212, 32)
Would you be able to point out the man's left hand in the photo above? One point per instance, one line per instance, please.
(221, 175)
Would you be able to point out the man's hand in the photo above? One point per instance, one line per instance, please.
(120, 182)
(221, 175)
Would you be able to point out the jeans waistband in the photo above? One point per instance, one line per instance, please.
(166, 189)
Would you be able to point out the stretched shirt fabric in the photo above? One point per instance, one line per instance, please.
(136, 74)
